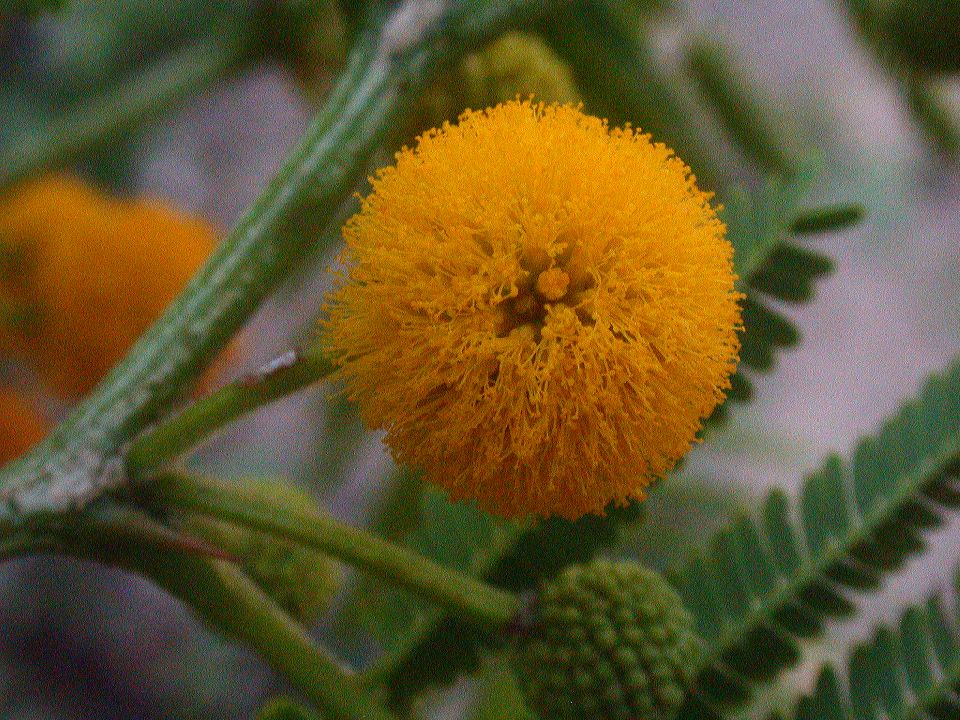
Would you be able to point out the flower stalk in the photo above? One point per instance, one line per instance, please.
(279, 378)
(465, 596)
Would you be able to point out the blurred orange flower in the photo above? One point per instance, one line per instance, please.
(85, 274)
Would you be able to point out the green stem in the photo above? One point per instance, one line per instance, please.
(132, 101)
(930, 110)
(79, 460)
(748, 121)
(232, 604)
(465, 596)
(189, 428)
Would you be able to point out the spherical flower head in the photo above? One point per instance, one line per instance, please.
(608, 641)
(538, 309)
(96, 272)
(21, 426)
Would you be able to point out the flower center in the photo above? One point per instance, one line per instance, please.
(552, 284)
(528, 308)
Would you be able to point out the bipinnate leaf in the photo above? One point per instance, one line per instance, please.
(771, 580)
(908, 672)
(767, 228)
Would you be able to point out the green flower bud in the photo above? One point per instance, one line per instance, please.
(607, 641)
(516, 64)
(924, 33)
(300, 580)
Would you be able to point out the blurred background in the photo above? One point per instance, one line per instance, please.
(82, 641)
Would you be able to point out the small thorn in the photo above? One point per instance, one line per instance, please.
(279, 364)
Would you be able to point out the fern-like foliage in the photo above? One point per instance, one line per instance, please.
(769, 581)
(764, 228)
(907, 673)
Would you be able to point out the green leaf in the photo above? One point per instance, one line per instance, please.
(682, 514)
(772, 263)
(457, 535)
(931, 109)
(912, 671)
(497, 696)
(621, 80)
(399, 511)
(505, 554)
(771, 580)
(748, 118)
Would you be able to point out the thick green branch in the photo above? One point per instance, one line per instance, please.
(464, 596)
(80, 459)
(287, 374)
(135, 99)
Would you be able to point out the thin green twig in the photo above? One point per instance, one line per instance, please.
(464, 596)
(748, 121)
(285, 375)
(124, 106)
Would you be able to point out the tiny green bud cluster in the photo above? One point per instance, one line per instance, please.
(609, 641)
(517, 64)
(300, 580)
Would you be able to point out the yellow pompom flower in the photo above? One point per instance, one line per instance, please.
(93, 272)
(538, 309)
